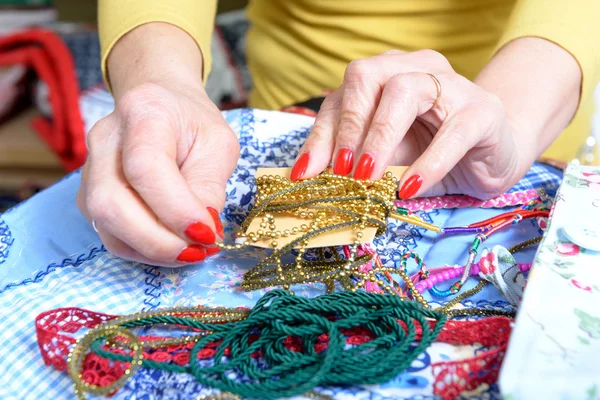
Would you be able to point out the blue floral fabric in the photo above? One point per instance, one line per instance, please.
(50, 258)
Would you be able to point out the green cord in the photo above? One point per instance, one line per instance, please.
(278, 315)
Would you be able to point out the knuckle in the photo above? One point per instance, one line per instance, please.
(382, 132)
(117, 249)
(157, 252)
(454, 139)
(393, 52)
(403, 89)
(233, 148)
(103, 208)
(402, 84)
(101, 126)
(148, 101)
(142, 94)
(138, 166)
(494, 186)
(494, 102)
(99, 132)
(357, 69)
(435, 58)
(331, 102)
(317, 134)
(350, 123)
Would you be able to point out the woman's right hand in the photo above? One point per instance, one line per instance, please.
(155, 177)
(154, 181)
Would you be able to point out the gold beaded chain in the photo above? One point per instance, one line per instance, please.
(371, 276)
(479, 312)
(322, 204)
(77, 355)
(525, 244)
(115, 334)
(215, 315)
(446, 308)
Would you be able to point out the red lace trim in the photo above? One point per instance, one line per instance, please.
(55, 329)
(454, 377)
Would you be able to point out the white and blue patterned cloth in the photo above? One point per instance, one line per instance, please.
(50, 257)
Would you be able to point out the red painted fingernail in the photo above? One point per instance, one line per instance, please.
(300, 167)
(343, 162)
(192, 253)
(210, 251)
(215, 216)
(200, 233)
(364, 169)
(410, 187)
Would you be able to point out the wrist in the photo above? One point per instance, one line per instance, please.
(526, 148)
(155, 53)
(539, 84)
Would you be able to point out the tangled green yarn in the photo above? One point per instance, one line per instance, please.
(401, 329)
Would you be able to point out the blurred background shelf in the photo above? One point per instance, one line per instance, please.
(24, 158)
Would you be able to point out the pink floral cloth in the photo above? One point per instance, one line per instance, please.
(499, 267)
(555, 344)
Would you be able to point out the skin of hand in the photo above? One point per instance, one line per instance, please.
(154, 181)
(471, 141)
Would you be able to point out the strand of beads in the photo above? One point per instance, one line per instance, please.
(423, 272)
(327, 203)
(447, 308)
(445, 274)
(455, 288)
(377, 275)
(525, 244)
(485, 229)
(464, 295)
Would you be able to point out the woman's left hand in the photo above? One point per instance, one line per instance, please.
(389, 110)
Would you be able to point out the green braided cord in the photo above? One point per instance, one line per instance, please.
(278, 315)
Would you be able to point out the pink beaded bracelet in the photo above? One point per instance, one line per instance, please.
(444, 274)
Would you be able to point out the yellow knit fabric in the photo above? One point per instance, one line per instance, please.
(296, 49)
(117, 17)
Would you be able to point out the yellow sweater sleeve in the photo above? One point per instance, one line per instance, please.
(118, 17)
(572, 24)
